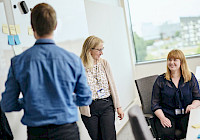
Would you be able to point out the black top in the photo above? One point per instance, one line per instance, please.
(167, 97)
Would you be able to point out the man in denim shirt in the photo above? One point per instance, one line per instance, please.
(51, 80)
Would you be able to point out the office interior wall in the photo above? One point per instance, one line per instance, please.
(108, 22)
(108, 2)
(193, 63)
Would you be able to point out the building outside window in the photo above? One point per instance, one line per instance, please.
(161, 25)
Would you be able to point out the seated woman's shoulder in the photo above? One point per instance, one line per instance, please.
(162, 75)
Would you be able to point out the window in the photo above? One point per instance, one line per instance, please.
(161, 25)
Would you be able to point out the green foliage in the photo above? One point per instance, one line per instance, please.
(140, 47)
(198, 50)
(149, 42)
(177, 34)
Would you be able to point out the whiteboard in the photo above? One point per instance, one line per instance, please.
(6, 51)
(71, 28)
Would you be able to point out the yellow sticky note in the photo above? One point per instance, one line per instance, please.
(30, 31)
(12, 30)
(17, 27)
(5, 29)
(196, 126)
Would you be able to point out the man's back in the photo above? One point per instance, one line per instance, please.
(48, 76)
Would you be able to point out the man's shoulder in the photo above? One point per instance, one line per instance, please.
(51, 51)
(67, 54)
(21, 55)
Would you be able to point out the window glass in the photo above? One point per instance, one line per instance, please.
(161, 25)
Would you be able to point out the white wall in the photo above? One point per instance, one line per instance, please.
(108, 23)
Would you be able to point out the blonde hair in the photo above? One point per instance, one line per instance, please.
(90, 43)
(178, 54)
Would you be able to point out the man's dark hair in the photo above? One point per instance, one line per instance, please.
(43, 19)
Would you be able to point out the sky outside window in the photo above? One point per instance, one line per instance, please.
(160, 25)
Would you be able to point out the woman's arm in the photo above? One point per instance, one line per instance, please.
(112, 83)
(120, 113)
(155, 103)
(195, 104)
(163, 120)
(195, 95)
(156, 96)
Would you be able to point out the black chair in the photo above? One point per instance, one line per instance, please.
(5, 131)
(144, 87)
(138, 124)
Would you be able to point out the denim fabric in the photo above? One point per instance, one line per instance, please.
(52, 82)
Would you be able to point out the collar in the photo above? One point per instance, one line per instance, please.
(44, 41)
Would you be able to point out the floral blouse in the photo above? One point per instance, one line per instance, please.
(98, 82)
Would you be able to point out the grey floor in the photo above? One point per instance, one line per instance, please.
(125, 133)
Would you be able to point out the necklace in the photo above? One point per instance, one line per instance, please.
(96, 76)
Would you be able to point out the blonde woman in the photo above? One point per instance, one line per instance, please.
(99, 117)
(174, 94)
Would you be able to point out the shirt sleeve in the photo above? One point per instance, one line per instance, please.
(195, 89)
(10, 97)
(83, 94)
(156, 97)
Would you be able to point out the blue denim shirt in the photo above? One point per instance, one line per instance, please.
(167, 97)
(52, 81)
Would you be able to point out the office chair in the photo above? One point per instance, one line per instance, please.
(5, 131)
(144, 87)
(138, 124)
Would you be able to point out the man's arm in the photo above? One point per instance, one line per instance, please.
(10, 97)
(82, 89)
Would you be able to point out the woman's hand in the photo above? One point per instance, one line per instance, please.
(120, 113)
(189, 108)
(165, 122)
(195, 104)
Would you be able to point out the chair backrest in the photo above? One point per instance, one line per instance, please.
(138, 124)
(144, 87)
(5, 131)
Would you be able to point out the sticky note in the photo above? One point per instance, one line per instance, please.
(12, 30)
(17, 41)
(5, 29)
(30, 31)
(18, 31)
(11, 40)
(196, 126)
